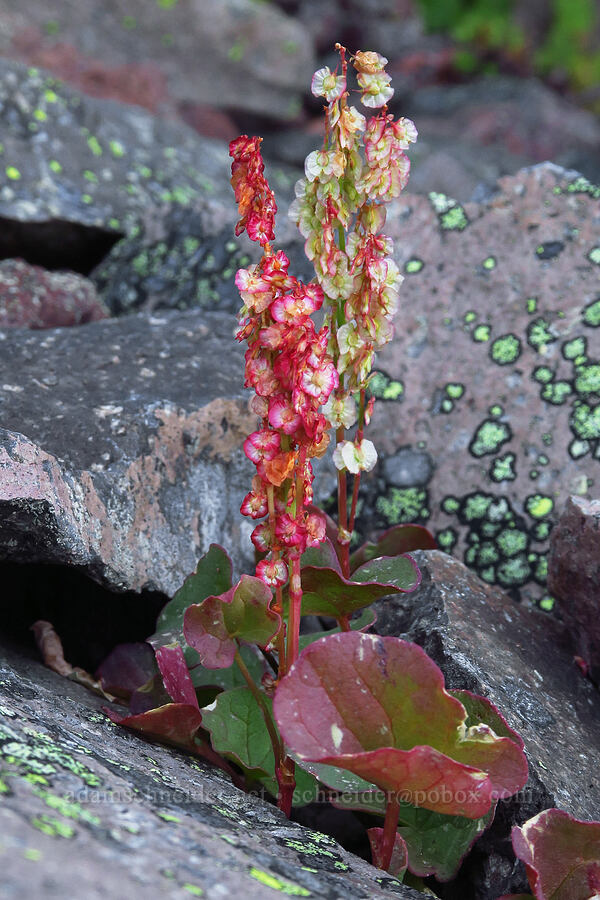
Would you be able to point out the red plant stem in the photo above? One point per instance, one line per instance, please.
(295, 611)
(390, 826)
(344, 623)
(286, 782)
(344, 545)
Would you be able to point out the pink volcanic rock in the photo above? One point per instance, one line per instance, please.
(32, 297)
(490, 409)
(574, 576)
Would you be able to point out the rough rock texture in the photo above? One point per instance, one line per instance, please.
(493, 378)
(35, 298)
(120, 446)
(574, 576)
(77, 173)
(519, 659)
(90, 810)
(232, 54)
(176, 262)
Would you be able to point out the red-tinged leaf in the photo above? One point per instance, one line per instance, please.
(399, 861)
(393, 542)
(212, 577)
(127, 668)
(561, 856)
(149, 696)
(327, 593)
(175, 723)
(243, 612)
(378, 707)
(175, 675)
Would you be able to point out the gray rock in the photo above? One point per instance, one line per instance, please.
(574, 576)
(232, 54)
(120, 447)
(519, 659)
(407, 467)
(77, 173)
(90, 810)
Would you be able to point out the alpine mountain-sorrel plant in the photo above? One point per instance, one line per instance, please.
(362, 719)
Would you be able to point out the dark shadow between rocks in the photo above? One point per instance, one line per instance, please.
(89, 619)
(56, 244)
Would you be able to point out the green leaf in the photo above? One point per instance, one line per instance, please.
(213, 576)
(213, 626)
(393, 542)
(238, 731)
(377, 706)
(327, 593)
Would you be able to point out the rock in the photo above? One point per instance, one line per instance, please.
(91, 810)
(519, 659)
(35, 298)
(574, 576)
(78, 173)
(176, 263)
(236, 54)
(120, 447)
(494, 371)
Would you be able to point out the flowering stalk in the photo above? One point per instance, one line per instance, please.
(292, 374)
(340, 211)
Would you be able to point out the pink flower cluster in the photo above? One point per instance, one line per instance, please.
(288, 367)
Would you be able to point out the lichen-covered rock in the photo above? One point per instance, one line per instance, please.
(89, 810)
(78, 173)
(521, 660)
(232, 54)
(176, 263)
(120, 447)
(493, 377)
(36, 298)
(574, 576)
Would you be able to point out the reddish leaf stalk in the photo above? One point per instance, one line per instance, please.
(295, 612)
(390, 827)
(343, 540)
(356, 485)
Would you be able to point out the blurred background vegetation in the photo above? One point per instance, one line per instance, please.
(555, 39)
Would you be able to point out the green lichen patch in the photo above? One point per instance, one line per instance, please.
(454, 391)
(538, 506)
(278, 884)
(515, 572)
(539, 334)
(382, 387)
(585, 422)
(594, 256)
(446, 538)
(582, 186)
(505, 349)
(413, 265)
(489, 263)
(503, 468)
(543, 374)
(469, 317)
(451, 215)
(575, 348)
(591, 314)
(401, 505)
(450, 505)
(511, 542)
(531, 305)
(489, 437)
(481, 333)
(578, 448)
(556, 393)
(53, 827)
(588, 380)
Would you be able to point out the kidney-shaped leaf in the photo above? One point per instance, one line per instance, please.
(212, 577)
(561, 855)
(327, 593)
(378, 707)
(211, 627)
(393, 542)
